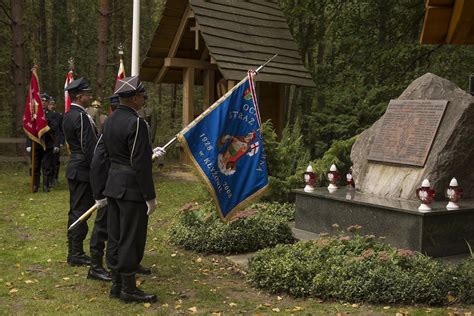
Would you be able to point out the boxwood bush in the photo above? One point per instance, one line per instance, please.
(360, 269)
(261, 225)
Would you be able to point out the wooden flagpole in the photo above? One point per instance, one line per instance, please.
(32, 166)
(84, 216)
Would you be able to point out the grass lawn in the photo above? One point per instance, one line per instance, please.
(35, 278)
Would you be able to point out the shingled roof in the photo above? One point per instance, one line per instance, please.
(238, 36)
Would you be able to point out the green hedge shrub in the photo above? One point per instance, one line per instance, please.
(261, 225)
(339, 154)
(360, 269)
(287, 160)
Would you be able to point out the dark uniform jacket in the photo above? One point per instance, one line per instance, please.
(55, 136)
(58, 122)
(81, 135)
(127, 143)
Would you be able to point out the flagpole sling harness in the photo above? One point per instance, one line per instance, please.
(224, 217)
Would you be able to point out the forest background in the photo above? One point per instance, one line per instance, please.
(361, 54)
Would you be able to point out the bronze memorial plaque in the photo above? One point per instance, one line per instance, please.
(407, 131)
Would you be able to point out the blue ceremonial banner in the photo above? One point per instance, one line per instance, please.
(226, 146)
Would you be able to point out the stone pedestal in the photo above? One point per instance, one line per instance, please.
(437, 233)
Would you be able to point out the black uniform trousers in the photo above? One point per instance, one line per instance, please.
(80, 201)
(99, 234)
(43, 163)
(127, 227)
(56, 163)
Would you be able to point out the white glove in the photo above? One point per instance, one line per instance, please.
(56, 150)
(101, 203)
(151, 204)
(159, 152)
(28, 149)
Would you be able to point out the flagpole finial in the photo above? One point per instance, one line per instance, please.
(35, 64)
(70, 61)
(120, 49)
(269, 60)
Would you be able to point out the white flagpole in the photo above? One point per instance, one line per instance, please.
(135, 37)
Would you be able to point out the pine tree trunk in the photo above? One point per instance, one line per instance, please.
(53, 56)
(103, 37)
(45, 74)
(18, 64)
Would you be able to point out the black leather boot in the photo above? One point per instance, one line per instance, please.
(51, 181)
(143, 270)
(77, 256)
(45, 184)
(97, 271)
(130, 293)
(116, 285)
(69, 248)
(35, 184)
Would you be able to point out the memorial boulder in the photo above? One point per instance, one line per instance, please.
(430, 137)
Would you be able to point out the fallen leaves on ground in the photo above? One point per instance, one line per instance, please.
(297, 309)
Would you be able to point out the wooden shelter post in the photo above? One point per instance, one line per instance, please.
(230, 84)
(188, 95)
(209, 89)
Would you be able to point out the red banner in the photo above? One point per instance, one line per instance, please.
(121, 71)
(67, 98)
(34, 118)
(120, 75)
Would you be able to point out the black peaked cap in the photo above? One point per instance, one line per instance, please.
(128, 87)
(45, 96)
(77, 86)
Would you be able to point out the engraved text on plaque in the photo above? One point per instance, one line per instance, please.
(407, 132)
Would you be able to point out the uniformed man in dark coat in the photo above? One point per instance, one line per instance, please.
(57, 118)
(81, 135)
(55, 125)
(44, 157)
(99, 173)
(129, 189)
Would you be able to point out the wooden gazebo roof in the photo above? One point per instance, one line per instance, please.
(448, 22)
(235, 36)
